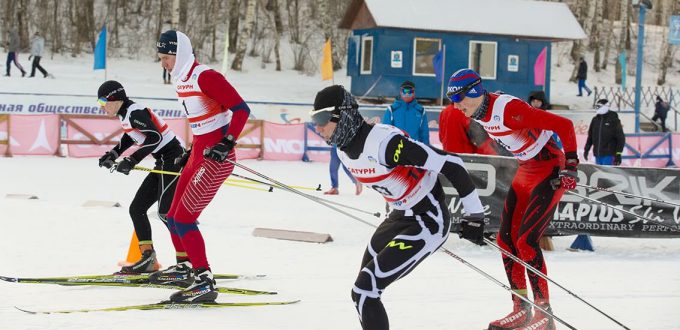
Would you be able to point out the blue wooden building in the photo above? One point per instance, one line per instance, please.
(397, 40)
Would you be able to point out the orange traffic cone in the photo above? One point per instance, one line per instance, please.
(134, 254)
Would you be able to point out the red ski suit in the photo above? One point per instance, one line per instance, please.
(531, 200)
(214, 110)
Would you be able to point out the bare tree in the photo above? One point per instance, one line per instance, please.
(273, 6)
(666, 59)
(595, 43)
(582, 16)
(608, 11)
(244, 36)
(623, 38)
(234, 6)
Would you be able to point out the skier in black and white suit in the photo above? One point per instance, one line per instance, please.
(405, 172)
(153, 136)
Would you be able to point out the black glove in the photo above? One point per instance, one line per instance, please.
(182, 160)
(617, 159)
(220, 151)
(126, 165)
(108, 159)
(472, 228)
(569, 175)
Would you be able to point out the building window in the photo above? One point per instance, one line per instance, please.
(366, 55)
(424, 51)
(483, 58)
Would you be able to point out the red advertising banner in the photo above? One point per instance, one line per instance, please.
(4, 135)
(34, 135)
(91, 136)
(81, 131)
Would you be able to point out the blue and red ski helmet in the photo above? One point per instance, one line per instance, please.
(464, 83)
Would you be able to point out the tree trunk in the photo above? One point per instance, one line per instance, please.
(57, 37)
(623, 34)
(233, 8)
(244, 36)
(595, 35)
(183, 8)
(665, 59)
(174, 21)
(294, 21)
(273, 6)
(577, 48)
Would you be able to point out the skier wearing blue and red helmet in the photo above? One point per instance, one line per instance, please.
(544, 174)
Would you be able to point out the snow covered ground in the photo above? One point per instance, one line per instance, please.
(637, 281)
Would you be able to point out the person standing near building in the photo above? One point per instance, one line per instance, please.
(605, 135)
(543, 175)
(217, 115)
(404, 171)
(37, 47)
(582, 75)
(661, 108)
(13, 52)
(153, 136)
(408, 115)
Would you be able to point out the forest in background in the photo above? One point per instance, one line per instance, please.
(260, 28)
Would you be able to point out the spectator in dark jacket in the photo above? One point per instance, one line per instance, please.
(582, 75)
(661, 111)
(13, 54)
(605, 135)
(408, 115)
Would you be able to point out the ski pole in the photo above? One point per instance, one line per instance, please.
(150, 170)
(671, 227)
(545, 277)
(318, 188)
(295, 191)
(322, 202)
(627, 194)
(493, 279)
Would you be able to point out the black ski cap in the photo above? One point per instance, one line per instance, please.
(167, 43)
(112, 91)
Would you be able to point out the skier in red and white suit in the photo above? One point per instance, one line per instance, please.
(217, 115)
(543, 175)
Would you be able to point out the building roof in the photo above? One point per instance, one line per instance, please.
(519, 18)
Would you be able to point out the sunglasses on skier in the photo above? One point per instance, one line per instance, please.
(407, 91)
(459, 95)
(321, 117)
(102, 101)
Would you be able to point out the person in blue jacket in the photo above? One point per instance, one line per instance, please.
(408, 115)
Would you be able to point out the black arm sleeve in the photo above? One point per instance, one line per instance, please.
(125, 143)
(403, 151)
(589, 140)
(620, 137)
(141, 120)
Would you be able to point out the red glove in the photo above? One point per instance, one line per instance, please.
(569, 175)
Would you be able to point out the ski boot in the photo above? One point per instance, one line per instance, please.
(201, 290)
(146, 264)
(519, 317)
(541, 321)
(180, 274)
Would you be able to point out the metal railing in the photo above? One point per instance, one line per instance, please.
(624, 99)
